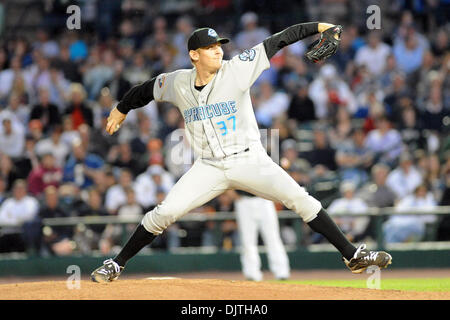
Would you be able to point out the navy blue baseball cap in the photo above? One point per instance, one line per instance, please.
(204, 37)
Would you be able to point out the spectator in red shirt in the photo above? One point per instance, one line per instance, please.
(47, 174)
(77, 109)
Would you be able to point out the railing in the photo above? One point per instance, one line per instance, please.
(378, 215)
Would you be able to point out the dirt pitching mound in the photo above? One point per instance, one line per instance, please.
(200, 289)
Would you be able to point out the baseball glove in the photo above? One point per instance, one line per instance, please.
(326, 45)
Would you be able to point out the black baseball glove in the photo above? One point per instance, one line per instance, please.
(326, 45)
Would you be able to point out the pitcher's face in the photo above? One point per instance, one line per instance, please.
(210, 57)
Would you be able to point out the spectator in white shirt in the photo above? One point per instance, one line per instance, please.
(404, 179)
(270, 105)
(374, 54)
(55, 146)
(15, 212)
(147, 184)
(405, 228)
(116, 196)
(353, 227)
(12, 138)
(329, 91)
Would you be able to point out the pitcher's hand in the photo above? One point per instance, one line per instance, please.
(114, 121)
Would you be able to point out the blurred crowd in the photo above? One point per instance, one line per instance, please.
(366, 128)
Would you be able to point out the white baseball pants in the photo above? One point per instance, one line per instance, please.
(252, 171)
(256, 215)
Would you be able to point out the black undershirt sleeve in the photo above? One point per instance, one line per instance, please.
(137, 97)
(289, 35)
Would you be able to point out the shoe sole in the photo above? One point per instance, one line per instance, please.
(381, 267)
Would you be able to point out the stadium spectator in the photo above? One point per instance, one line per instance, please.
(184, 27)
(118, 85)
(376, 193)
(353, 227)
(54, 145)
(56, 240)
(77, 109)
(270, 104)
(45, 111)
(252, 34)
(322, 153)
(47, 174)
(81, 166)
(16, 217)
(12, 138)
(18, 109)
(409, 51)
(354, 158)
(384, 142)
(405, 178)
(328, 91)
(116, 195)
(374, 54)
(301, 108)
(412, 227)
(88, 237)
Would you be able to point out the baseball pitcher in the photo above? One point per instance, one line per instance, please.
(214, 99)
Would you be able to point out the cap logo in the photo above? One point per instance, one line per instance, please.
(212, 33)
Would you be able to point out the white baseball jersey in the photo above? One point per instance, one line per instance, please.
(219, 119)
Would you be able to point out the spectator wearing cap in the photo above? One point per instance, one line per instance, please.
(77, 109)
(405, 178)
(15, 214)
(252, 34)
(81, 166)
(384, 142)
(12, 138)
(45, 111)
(353, 227)
(45, 175)
(374, 54)
(406, 228)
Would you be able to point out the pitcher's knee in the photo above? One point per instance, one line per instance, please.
(305, 206)
(158, 219)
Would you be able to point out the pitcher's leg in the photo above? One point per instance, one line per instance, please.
(248, 232)
(200, 184)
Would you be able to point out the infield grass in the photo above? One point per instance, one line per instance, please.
(416, 284)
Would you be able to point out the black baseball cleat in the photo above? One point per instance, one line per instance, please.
(362, 259)
(108, 272)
